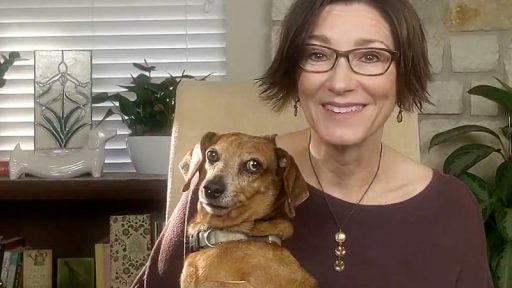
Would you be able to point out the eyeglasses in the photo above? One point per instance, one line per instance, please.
(363, 61)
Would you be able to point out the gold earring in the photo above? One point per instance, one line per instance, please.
(296, 107)
(399, 116)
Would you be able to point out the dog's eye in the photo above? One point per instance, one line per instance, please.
(253, 166)
(212, 156)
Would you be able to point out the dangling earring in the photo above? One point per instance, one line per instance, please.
(399, 116)
(296, 107)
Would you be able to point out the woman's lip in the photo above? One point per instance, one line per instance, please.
(344, 109)
(342, 105)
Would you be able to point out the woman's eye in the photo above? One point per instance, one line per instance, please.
(212, 156)
(317, 56)
(370, 57)
(253, 166)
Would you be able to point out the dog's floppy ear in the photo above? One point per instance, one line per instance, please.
(293, 183)
(193, 160)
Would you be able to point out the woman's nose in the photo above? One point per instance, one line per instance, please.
(341, 77)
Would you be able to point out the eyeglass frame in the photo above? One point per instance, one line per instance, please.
(344, 54)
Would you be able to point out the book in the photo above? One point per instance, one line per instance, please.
(75, 273)
(13, 265)
(102, 265)
(130, 245)
(13, 243)
(5, 268)
(18, 277)
(2, 251)
(107, 266)
(37, 269)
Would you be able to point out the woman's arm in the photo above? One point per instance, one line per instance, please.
(475, 270)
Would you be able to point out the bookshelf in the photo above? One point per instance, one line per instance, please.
(69, 216)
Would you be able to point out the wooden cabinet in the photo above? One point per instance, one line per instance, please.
(70, 215)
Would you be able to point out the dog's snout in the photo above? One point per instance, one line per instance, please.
(214, 189)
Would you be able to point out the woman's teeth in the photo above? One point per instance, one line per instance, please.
(347, 109)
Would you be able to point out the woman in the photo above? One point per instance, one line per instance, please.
(348, 63)
(374, 218)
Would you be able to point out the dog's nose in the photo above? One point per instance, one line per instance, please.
(213, 190)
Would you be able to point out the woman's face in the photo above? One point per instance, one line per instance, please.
(342, 107)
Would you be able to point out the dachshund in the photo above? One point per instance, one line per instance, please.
(248, 189)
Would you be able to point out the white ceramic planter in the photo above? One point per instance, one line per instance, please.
(149, 154)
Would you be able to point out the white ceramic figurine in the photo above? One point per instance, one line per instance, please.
(63, 163)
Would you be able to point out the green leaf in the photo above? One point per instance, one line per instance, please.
(465, 157)
(504, 182)
(145, 68)
(157, 88)
(504, 85)
(458, 131)
(13, 56)
(504, 222)
(480, 188)
(127, 107)
(2, 82)
(504, 268)
(500, 96)
(141, 80)
(507, 131)
(104, 97)
(146, 111)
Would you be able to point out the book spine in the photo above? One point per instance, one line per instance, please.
(13, 264)
(106, 263)
(2, 251)
(5, 268)
(18, 278)
(99, 255)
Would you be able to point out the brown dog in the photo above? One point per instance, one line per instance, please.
(248, 189)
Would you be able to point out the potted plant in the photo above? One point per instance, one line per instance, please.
(6, 64)
(495, 198)
(4, 67)
(149, 116)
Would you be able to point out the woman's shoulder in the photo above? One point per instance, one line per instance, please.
(453, 191)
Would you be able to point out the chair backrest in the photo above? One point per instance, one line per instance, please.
(203, 106)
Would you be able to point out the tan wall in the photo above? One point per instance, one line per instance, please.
(248, 32)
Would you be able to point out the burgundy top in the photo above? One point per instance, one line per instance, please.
(434, 239)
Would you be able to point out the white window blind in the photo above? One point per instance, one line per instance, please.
(174, 35)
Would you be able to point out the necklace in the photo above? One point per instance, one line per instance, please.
(340, 236)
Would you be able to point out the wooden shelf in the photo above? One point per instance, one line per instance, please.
(110, 186)
(70, 215)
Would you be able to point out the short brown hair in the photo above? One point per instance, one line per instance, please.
(279, 83)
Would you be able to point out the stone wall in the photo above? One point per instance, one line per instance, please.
(469, 42)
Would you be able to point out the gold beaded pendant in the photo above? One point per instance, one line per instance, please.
(340, 251)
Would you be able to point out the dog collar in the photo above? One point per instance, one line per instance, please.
(212, 238)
